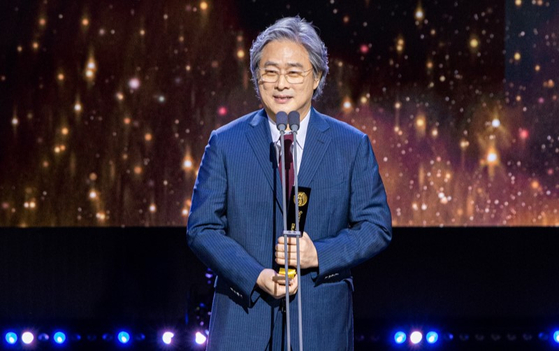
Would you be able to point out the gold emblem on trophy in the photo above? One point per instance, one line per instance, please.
(302, 197)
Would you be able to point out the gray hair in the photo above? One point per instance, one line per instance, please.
(297, 30)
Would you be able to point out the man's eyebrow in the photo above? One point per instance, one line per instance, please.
(291, 64)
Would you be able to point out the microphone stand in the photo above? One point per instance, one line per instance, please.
(281, 124)
(294, 121)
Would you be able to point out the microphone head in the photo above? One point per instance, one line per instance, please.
(294, 120)
(281, 120)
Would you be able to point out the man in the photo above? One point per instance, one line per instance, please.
(235, 224)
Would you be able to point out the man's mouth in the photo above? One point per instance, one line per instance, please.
(282, 99)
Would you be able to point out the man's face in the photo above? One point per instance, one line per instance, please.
(284, 57)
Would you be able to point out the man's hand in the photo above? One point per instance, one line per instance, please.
(275, 287)
(307, 250)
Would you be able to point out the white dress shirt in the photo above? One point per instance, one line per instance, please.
(301, 137)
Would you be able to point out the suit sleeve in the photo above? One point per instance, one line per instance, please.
(207, 227)
(370, 221)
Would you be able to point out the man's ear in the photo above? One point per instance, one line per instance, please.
(316, 81)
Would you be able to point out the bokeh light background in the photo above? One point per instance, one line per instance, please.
(106, 106)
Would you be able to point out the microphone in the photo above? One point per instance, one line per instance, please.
(281, 120)
(294, 120)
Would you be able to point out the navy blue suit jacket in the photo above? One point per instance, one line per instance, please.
(236, 218)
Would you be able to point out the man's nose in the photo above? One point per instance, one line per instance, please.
(282, 82)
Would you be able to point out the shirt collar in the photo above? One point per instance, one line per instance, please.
(301, 133)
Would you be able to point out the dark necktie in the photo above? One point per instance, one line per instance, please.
(288, 138)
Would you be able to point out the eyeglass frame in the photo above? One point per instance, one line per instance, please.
(303, 74)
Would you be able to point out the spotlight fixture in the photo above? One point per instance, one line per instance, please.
(200, 338)
(400, 337)
(168, 337)
(432, 337)
(59, 337)
(27, 337)
(123, 337)
(11, 338)
(416, 337)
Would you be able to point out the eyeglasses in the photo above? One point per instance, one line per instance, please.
(292, 76)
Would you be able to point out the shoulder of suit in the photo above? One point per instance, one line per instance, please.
(238, 124)
(340, 127)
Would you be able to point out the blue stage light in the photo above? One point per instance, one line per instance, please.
(200, 338)
(11, 338)
(27, 337)
(432, 337)
(556, 336)
(400, 337)
(416, 337)
(59, 337)
(123, 337)
(167, 337)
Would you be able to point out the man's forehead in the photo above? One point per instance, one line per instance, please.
(287, 64)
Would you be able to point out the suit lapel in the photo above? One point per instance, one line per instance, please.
(316, 144)
(260, 140)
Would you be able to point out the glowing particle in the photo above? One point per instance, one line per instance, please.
(420, 121)
(203, 6)
(400, 44)
(435, 132)
(240, 54)
(517, 56)
(496, 123)
(492, 157)
(474, 43)
(134, 83)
